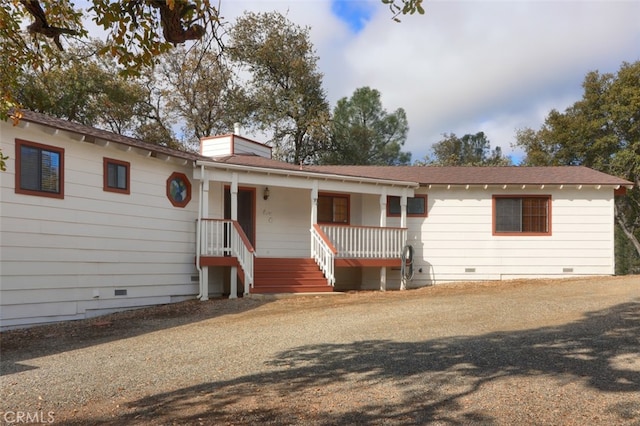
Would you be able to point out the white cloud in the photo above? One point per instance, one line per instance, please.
(486, 66)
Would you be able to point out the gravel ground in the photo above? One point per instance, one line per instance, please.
(540, 352)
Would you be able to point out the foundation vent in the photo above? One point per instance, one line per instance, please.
(120, 292)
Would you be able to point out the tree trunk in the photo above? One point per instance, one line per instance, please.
(621, 220)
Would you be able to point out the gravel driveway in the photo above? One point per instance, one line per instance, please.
(561, 352)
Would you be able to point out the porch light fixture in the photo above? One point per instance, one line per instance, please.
(265, 194)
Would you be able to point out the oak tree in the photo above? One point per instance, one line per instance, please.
(284, 85)
(601, 131)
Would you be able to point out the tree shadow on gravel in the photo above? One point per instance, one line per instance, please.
(390, 382)
(27, 343)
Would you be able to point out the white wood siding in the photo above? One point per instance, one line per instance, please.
(216, 146)
(283, 223)
(455, 242)
(64, 258)
(246, 146)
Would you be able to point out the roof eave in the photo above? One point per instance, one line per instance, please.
(306, 174)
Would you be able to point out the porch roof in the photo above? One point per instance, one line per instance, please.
(256, 163)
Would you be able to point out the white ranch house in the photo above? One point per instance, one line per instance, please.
(92, 222)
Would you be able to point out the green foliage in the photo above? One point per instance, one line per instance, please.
(601, 131)
(23, 51)
(469, 150)
(363, 132)
(404, 7)
(199, 90)
(3, 165)
(91, 92)
(285, 94)
(133, 28)
(627, 258)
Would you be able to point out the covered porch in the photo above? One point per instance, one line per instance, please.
(277, 231)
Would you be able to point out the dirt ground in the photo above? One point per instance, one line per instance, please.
(512, 352)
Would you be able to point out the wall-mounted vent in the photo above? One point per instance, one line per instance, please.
(195, 278)
(120, 292)
(469, 269)
(567, 270)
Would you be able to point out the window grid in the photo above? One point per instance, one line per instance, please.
(39, 169)
(522, 215)
(333, 209)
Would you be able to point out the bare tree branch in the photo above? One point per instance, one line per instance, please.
(40, 24)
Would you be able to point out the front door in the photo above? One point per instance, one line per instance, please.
(246, 211)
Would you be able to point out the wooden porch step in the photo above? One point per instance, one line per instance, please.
(288, 275)
(291, 289)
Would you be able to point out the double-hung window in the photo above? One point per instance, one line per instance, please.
(116, 176)
(39, 169)
(522, 215)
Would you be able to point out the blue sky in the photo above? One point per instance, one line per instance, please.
(355, 13)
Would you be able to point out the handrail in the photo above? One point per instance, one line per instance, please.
(366, 241)
(323, 252)
(223, 237)
(243, 236)
(244, 253)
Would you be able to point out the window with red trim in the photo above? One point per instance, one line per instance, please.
(333, 208)
(178, 189)
(116, 176)
(39, 169)
(416, 206)
(522, 215)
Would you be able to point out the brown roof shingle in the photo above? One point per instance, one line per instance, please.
(513, 175)
(92, 132)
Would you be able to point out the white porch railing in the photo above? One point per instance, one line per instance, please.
(355, 242)
(223, 237)
(324, 253)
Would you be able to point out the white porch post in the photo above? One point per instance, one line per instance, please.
(314, 203)
(403, 209)
(233, 291)
(403, 224)
(383, 222)
(314, 209)
(204, 203)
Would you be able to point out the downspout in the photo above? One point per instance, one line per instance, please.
(198, 232)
